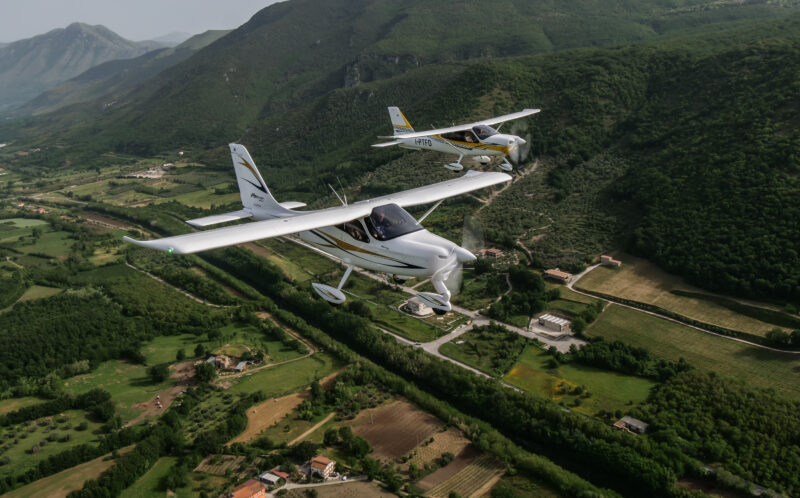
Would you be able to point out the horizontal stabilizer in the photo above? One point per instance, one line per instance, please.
(388, 144)
(292, 204)
(220, 218)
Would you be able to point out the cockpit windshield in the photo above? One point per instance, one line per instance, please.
(484, 131)
(390, 221)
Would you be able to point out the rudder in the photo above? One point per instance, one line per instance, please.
(255, 194)
(399, 122)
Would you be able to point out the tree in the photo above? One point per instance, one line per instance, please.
(795, 337)
(303, 451)
(778, 336)
(205, 372)
(200, 350)
(316, 390)
(346, 433)
(331, 437)
(180, 355)
(158, 373)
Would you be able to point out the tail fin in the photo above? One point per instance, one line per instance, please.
(256, 197)
(399, 122)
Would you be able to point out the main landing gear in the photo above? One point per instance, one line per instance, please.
(331, 294)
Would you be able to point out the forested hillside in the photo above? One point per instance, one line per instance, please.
(681, 148)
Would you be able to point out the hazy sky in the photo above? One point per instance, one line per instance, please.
(132, 19)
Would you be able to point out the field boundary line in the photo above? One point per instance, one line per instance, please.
(613, 300)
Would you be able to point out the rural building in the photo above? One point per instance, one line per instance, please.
(222, 361)
(490, 253)
(277, 472)
(554, 322)
(417, 307)
(606, 260)
(558, 275)
(240, 366)
(212, 360)
(248, 489)
(269, 478)
(631, 424)
(322, 466)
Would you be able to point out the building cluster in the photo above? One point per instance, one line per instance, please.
(223, 362)
(257, 488)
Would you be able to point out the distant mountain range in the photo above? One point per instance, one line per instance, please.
(31, 66)
(111, 79)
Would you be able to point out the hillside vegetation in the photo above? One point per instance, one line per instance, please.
(681, 149)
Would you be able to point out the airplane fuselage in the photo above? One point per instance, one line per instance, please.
(419, 253)
(496, 145)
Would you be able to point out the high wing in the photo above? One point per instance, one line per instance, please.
(488, 122)
(238, 234)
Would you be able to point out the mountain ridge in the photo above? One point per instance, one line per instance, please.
(32, 65)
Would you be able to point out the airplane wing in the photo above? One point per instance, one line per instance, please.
(489, 122)
(238, 234)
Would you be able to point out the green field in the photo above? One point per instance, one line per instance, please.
(283, 379)
(11, 404)
(62, 483)
(31, 433)
(128, 384)
(39, 292)
(148, 486)
(610, 390)
(234, 340)
(402, 324)
(755, 366)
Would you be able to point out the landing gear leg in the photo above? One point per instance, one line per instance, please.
(439, 302)
(331, 294)
(456, 166)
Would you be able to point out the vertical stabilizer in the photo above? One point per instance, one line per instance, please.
(399, 122)
(256, 197)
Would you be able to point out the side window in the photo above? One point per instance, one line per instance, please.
(461, 136)
(354, 230)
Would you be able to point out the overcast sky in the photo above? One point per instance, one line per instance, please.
(132, 19)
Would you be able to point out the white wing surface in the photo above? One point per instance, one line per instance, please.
(238, 234)
(488, 122)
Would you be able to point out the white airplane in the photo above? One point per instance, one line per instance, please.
(376, 234)
(473, 139)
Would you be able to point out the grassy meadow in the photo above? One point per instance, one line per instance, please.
(755, 366)
(610, 391)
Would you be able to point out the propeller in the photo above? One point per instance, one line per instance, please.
(520, 153)
(472, 241)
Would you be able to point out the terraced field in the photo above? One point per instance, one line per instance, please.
(473, 479)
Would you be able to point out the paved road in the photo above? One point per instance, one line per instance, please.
(669, 319)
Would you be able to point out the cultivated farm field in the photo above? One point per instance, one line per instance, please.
(61, 484)
(395, 428)
(639, 280)
(449, 441)
(263, 415)
(358, 489)
(754, 366)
